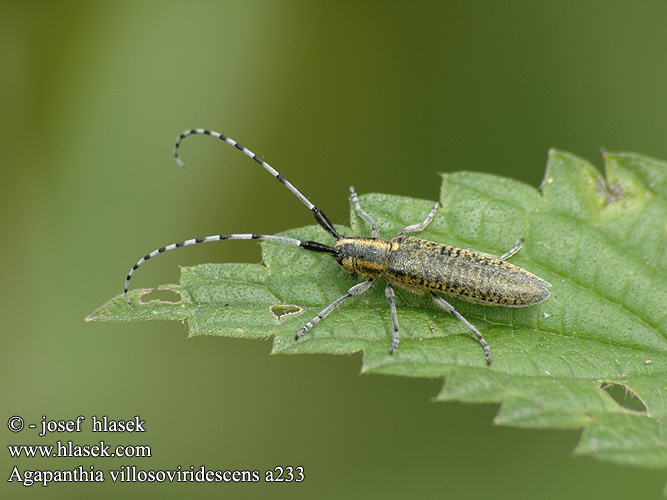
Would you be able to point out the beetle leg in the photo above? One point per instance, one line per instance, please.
(447, 307)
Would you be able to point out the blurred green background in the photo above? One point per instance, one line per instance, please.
(376, 94)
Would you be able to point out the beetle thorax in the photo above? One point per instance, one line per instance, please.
(363, 256)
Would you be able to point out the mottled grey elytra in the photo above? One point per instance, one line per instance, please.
(417, 265)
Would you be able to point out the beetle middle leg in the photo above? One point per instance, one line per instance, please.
(415, 228)
(447, 307)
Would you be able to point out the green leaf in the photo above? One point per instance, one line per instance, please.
(593, 356)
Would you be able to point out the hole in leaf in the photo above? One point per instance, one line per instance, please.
(282, 310)
(624, 396)
(163, 295)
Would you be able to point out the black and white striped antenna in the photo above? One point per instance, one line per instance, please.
(321, 219)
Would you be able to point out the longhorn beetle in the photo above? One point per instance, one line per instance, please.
(417, 265)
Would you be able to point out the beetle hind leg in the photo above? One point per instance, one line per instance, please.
(517, 246)
(447, 307)
(389, 292)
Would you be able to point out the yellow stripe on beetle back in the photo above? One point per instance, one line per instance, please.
(363, 256)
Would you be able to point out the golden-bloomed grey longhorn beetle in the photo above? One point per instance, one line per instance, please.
(417, 265)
